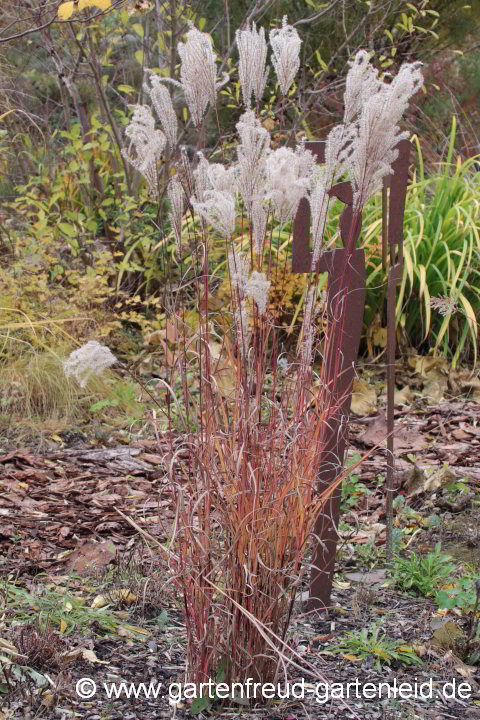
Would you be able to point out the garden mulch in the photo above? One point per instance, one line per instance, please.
(66, 509)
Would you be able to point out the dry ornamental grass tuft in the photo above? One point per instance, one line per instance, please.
(246, 514)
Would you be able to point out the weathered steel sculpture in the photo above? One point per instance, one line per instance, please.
(339, 370)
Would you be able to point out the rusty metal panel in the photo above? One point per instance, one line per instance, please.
(339, 376)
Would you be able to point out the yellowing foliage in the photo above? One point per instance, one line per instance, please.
(66, 10)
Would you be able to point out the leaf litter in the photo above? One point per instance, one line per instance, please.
(58, 517)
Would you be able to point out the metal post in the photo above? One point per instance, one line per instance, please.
(333, 453)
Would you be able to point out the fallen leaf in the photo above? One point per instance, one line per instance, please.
(91, 556)
(364, 398)
(85, 654)
(447, 635)
(434, 391)
(6, 646)
(131, 631)
(100, 601)
(371, 577)
(380, 337)
(428, 366)
(403, 396)
(91, 657)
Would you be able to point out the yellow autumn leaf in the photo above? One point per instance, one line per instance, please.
(123, 595)
(65, 11)
(132, 631)
(99, 601)
(63, 626)
(101, 4)
(91, 657)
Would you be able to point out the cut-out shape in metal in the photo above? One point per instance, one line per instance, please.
(340, 377)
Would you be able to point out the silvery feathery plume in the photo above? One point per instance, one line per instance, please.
(176, 196)
(337, 149)
(361, 83)
(212, 176)
(252, 51)
(377, 132)
(238, 266)
(242, 327)
(252, 153)
(220, 177)
(285, 44)
(257, 288)
(149, 144)
(444, 305)
(288, 178)
(218, 209)
(91, 359)
(198, 73)
(187, 174)
(200, 177)
(259, 223)
(318, 199)
(308, 331)
(162, 102)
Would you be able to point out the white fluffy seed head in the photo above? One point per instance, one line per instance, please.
(148, 143)
(373, 109)
(162, 102)
(319, 204)
(288, 179)
(91, 359)
(257, 288)
(259, 224)
(238, 266)
(176, 196)
(444, 305)
(285, 44)
(252, 70)
(218, 209)
(252, 153)
(198, 73)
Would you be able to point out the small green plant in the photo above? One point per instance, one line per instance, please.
(55, 609)
(463, 596)
(369, 555)
(423, 575)
(372, 642)
(352, 488)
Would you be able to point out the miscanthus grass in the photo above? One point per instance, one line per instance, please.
(247, 500)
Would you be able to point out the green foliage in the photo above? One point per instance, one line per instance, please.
(463, 596)
(442, 259)
(352, 488)
(53, 607)
(123, 395)
(368, 555)
(423, 575)
(372, 642)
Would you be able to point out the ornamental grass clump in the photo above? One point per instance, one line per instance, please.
(247, 498)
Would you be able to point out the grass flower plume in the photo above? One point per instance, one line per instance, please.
(91, 359)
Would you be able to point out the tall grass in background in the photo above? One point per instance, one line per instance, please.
(439, 298)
